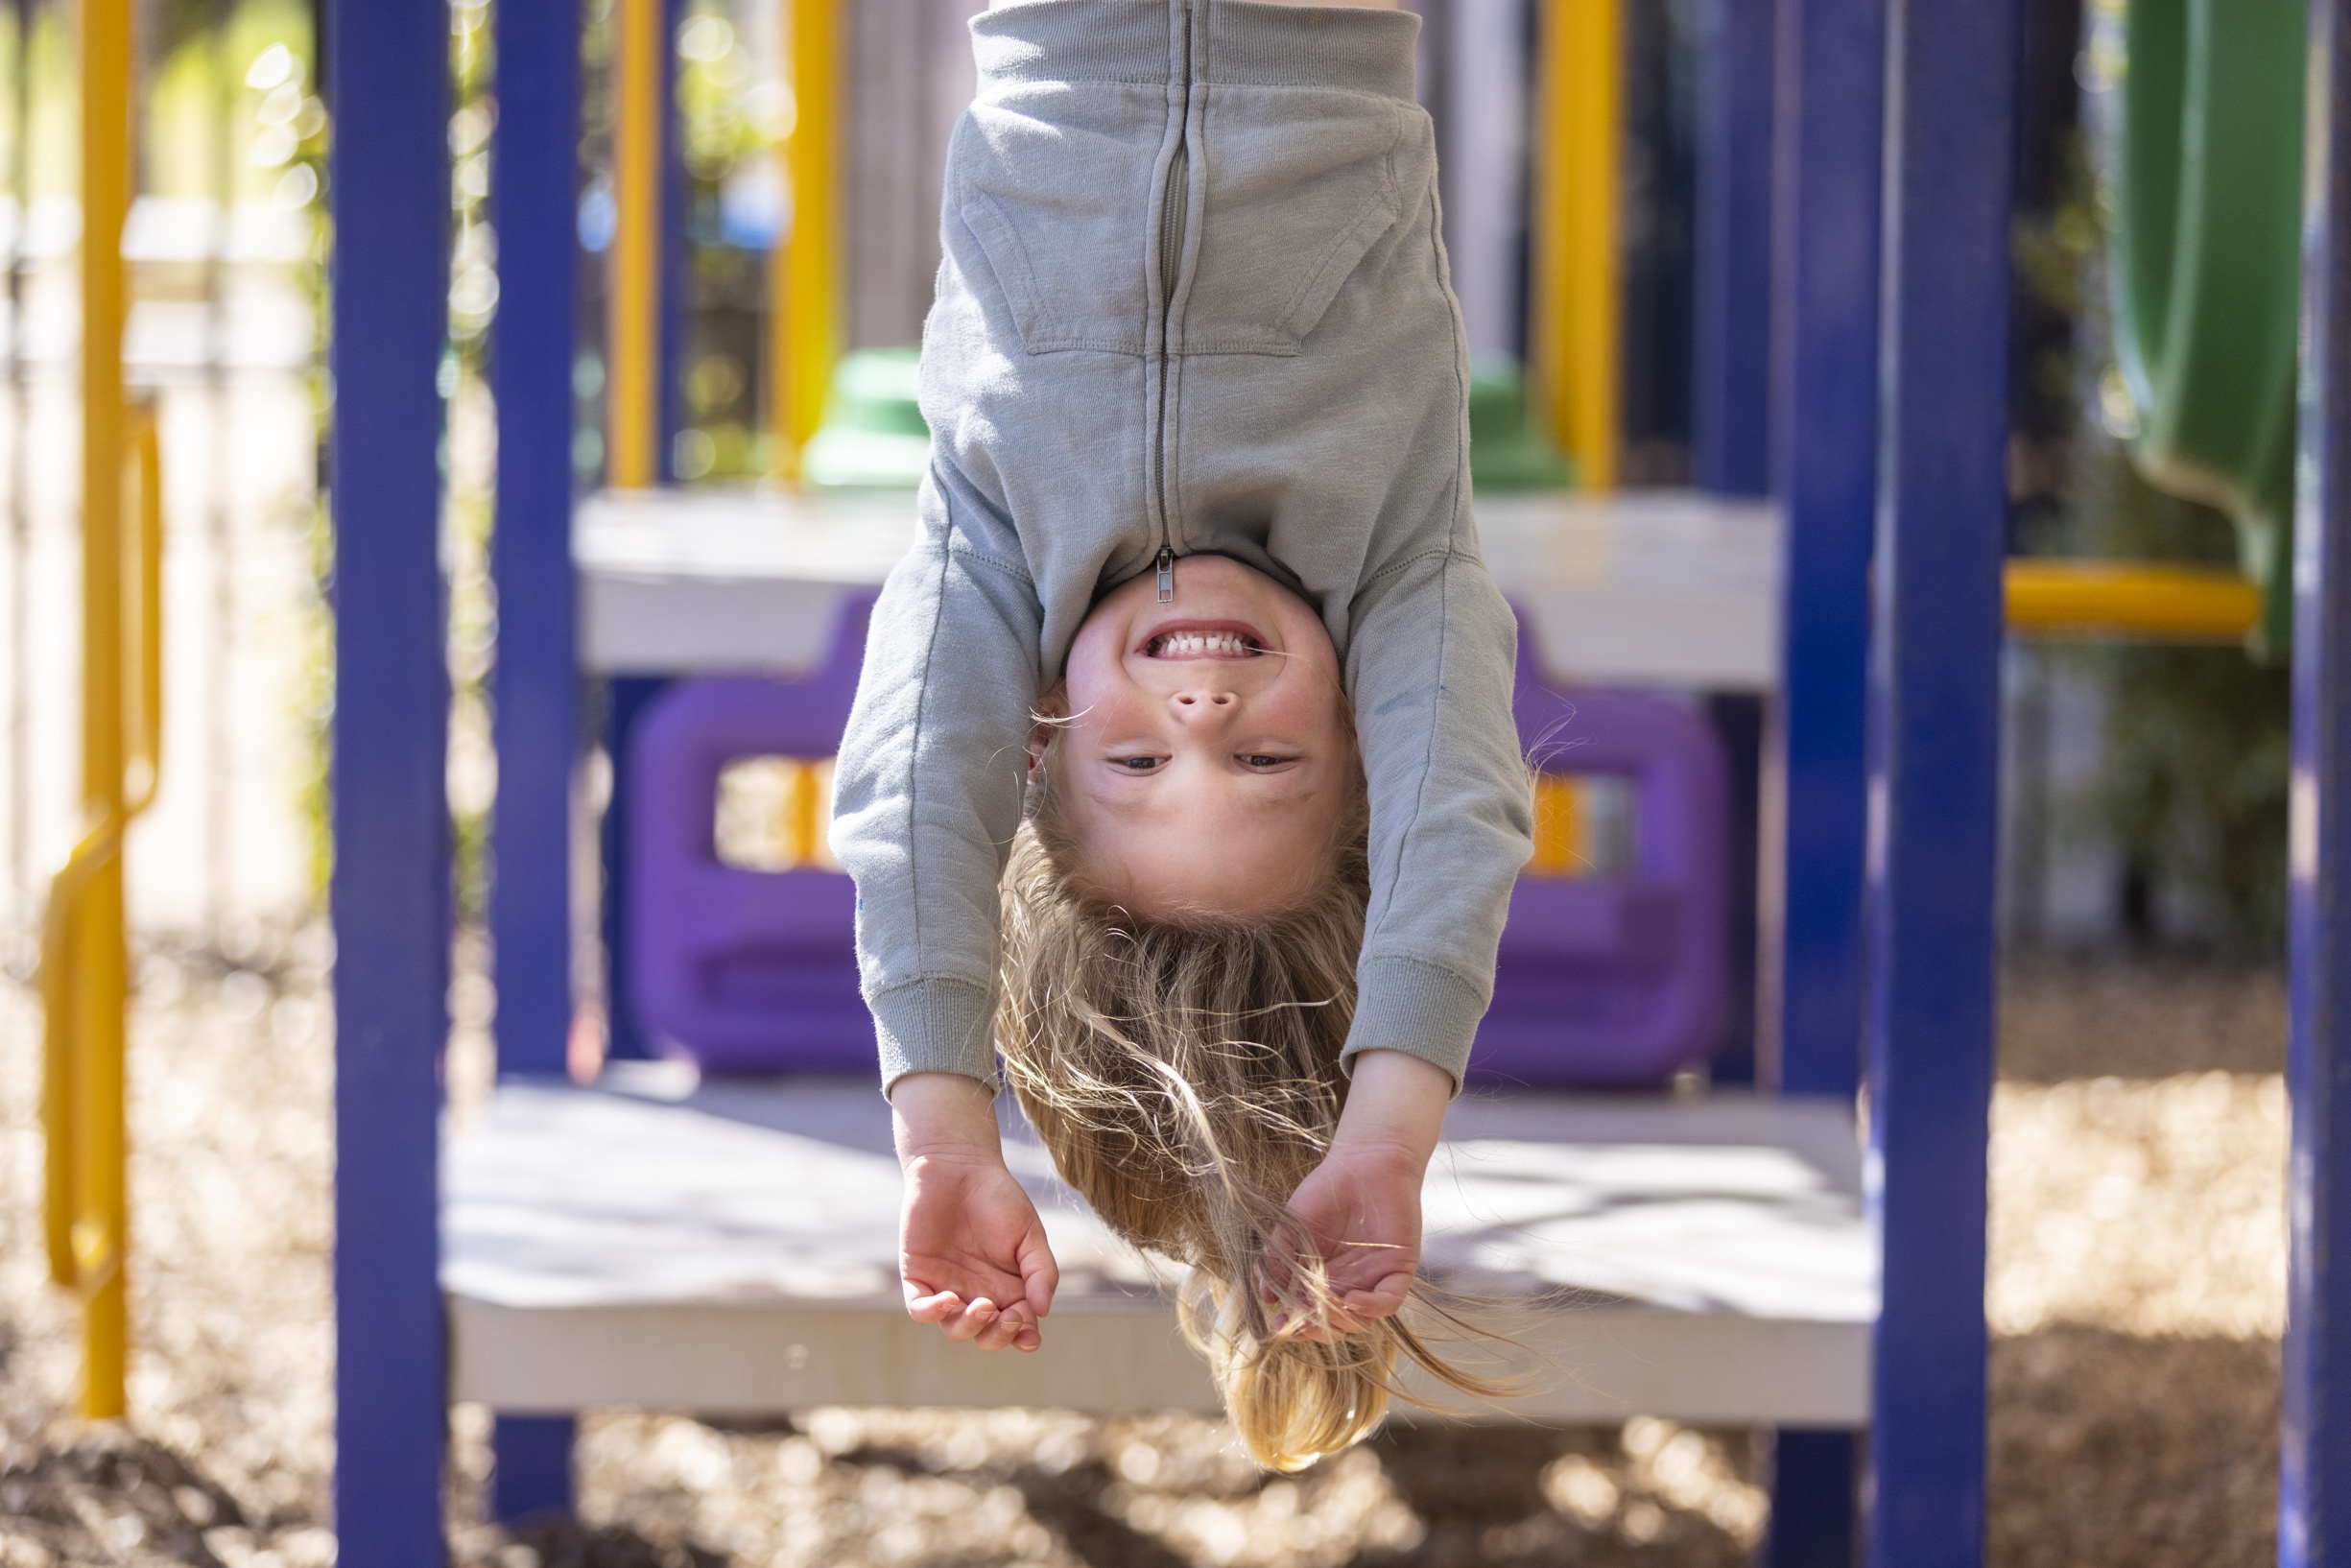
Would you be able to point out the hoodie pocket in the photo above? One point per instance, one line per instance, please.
(1054, 183)
(1298, 185)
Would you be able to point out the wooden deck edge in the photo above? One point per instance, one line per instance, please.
(1600, 1364)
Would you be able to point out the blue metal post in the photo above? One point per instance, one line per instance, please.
(1830, 108)
(627, 697)
(1732, 398)
(1814, 1501)
(388, 80)
(534, 683)
(2315, 1490)
(1832, 114)
(530, 1466)
(1934, 729)
(1739, 718)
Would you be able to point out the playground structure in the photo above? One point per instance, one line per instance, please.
(1938, 551)
(84, 955)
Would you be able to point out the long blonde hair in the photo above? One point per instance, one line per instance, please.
(1184, 1076)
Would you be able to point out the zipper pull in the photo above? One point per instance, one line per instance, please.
(1167, 575)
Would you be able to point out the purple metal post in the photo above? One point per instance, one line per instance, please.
(2315, 1490)
(535, 682)
(1935, 690)
(388, 80)
(1832, 108)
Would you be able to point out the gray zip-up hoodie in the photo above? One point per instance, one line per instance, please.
(1193, 300)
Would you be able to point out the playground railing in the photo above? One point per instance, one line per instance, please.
(82, 937)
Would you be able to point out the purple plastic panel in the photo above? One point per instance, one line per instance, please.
(742, 972)
(1617, 981)
(1603, 982)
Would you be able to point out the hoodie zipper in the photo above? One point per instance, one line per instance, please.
(1174, 200)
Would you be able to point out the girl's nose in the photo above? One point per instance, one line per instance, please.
(1201, 703)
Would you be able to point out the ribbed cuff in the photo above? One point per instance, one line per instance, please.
(1418, 1008)
(935, 1026)
(1242, 44)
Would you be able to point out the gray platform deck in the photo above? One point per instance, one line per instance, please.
(1641, 587)
(729, 1248)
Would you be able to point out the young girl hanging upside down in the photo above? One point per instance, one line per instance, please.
(1182, 770)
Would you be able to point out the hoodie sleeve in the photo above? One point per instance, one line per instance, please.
(927, 788)
(1452, 809)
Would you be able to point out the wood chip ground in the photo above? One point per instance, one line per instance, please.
(2136, 1295)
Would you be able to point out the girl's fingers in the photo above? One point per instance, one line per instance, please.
(930, 1309)
(1384, 1300)
(1006, 1329)
(972, 1322)
(1040, 1275)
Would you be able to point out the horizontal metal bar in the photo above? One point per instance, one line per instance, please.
(2130, 598)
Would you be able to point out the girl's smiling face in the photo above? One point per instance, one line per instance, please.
(1206, 757)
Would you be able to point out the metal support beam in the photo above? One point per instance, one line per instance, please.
(1934, 733)
(1828, 112)
(1815, 1498)
(1831, 106)
(2315, 1490)
(804, 311)
(1731, 409)
(625, 699)
(534, 683)
(390, 186)
(531, 1468)
(1574, 334)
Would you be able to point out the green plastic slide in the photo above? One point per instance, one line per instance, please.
(2206, 265)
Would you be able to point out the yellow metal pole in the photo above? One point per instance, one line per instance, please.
(633, 406)
(1573, 334)
(99, 1228)
(804, 278)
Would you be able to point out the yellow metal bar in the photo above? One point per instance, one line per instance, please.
(804, 278)
(2128, 599)
(143, 735)
(632, 382)
(1574, 333)
(94, 985)
(85, 1200)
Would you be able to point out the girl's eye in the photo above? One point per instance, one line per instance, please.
(1136, 765)
(1259, 759)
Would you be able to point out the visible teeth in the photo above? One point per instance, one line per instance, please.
(1178, 645)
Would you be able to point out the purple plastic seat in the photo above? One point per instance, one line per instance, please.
(1616, 982)
(742, 972)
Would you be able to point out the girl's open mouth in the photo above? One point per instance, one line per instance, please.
(1204, 640)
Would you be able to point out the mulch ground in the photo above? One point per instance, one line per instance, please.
(2136, 1294)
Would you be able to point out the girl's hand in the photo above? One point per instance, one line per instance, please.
(1361, 1205)
(971, 1250)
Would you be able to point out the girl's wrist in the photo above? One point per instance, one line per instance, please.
(1395, 1105)
(945, 1116)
